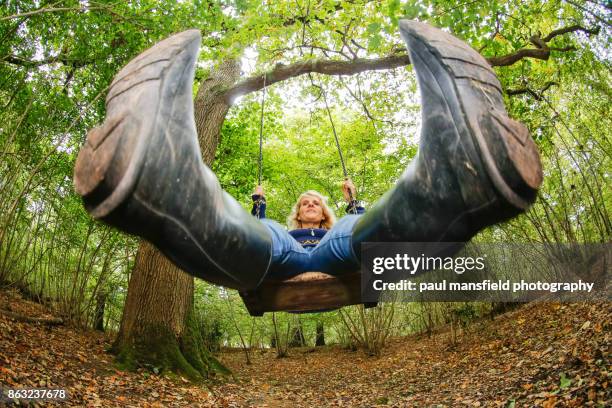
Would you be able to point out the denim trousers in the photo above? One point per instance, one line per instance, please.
(334, 255)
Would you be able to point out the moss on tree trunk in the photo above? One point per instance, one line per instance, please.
(159, 350)
(193, 347)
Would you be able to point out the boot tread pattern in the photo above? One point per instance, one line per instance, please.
(147, 73)
(464, 62)
(135, 69)
(149, 65)
(462, 70)
(168, 48)
(456, 55)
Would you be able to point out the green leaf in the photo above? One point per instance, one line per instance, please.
(411, 11)
(374, 42)
(393, 7)
(373, 28)
(565, 382)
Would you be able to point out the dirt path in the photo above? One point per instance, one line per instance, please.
(546, 355)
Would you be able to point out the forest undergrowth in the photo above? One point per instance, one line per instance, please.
(542, 354)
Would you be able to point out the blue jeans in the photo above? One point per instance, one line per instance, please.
(333, 255)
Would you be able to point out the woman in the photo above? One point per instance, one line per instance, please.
(305, 247)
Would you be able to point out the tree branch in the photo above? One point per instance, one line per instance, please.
(542, 50)
(359, 99)
(327, 67)
(570, 29)
(49, 10)
(75, 63)
(29, 63)
(354, 66)
(505, 60)
(536, 94)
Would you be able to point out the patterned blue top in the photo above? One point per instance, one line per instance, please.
(307, 237)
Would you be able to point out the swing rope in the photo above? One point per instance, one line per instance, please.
(260, 158)
(353, 208)
(261, 124)
(335, 136)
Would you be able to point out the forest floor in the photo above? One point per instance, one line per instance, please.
(544, 354)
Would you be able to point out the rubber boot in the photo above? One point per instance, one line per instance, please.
(142, 172)
(475, 166)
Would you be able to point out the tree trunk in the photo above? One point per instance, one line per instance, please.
(158, 301)
(99, 313)
(211, 106)
(157, 328)
(320, 338)
(297, 336)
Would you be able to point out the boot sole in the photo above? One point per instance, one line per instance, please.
(110, 161)
(504, 146)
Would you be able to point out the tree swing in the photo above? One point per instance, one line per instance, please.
(308, 292)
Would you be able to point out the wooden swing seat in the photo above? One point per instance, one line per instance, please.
(307, 292)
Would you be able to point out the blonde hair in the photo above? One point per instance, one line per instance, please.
(329, 218)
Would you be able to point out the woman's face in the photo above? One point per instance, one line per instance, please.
(310, 210)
